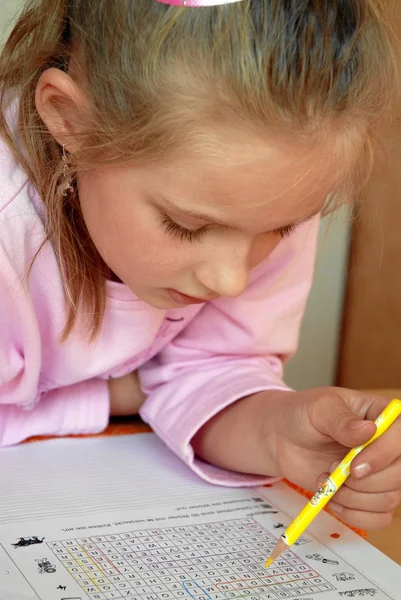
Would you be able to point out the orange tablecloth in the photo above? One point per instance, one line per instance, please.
(133, 427)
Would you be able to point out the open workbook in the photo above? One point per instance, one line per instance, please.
(121, 517)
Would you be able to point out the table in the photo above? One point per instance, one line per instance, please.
(389, 540)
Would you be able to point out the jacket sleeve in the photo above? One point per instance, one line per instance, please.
(27, 406)
(233, 348)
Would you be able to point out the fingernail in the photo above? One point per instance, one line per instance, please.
(356, 425)
(337, 508)
(322, 480)
(362, 470)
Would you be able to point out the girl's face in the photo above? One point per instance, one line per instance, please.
(190, 229)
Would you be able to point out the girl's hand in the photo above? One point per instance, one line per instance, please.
(315, 429)
(126, 396)
(302, 436)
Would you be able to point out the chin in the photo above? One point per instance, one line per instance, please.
(159, 303)
(155, 299)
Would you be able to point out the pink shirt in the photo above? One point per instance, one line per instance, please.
(193, 362)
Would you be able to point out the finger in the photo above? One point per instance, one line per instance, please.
(379, 455)
(368, 521)
(381, 502)
(366, 406)
(332, 416)
(382, 481)
(347, 497)
(376, 406)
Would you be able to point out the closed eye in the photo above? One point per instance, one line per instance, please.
(195, 235)
(182, 233)
(286, 231)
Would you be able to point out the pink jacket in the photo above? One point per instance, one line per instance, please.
(193, 362)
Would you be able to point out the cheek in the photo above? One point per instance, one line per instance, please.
(127, 233)
(262, 247)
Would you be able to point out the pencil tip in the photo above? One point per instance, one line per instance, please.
(280, 547)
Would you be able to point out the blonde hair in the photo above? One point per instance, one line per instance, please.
(152, 73)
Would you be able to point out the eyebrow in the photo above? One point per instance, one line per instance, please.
(229, 224)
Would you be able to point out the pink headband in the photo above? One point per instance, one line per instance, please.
(196, 3)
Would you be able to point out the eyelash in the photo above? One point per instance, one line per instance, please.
(195, 235)
(286, 231)
(177, 231)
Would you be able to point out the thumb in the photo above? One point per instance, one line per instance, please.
(336, 419)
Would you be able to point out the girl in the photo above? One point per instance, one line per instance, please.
(163, 171)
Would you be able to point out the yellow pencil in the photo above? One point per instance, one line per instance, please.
(332, 484)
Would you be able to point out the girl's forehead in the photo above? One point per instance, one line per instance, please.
(260, 177)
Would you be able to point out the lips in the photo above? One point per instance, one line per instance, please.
(183, 299)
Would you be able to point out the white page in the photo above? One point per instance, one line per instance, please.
(127, 520)
(69, 477)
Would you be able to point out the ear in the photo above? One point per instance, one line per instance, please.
(60, 104)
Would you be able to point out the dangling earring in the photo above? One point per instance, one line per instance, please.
(65, 186)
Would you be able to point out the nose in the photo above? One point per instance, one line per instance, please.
(225, 271)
